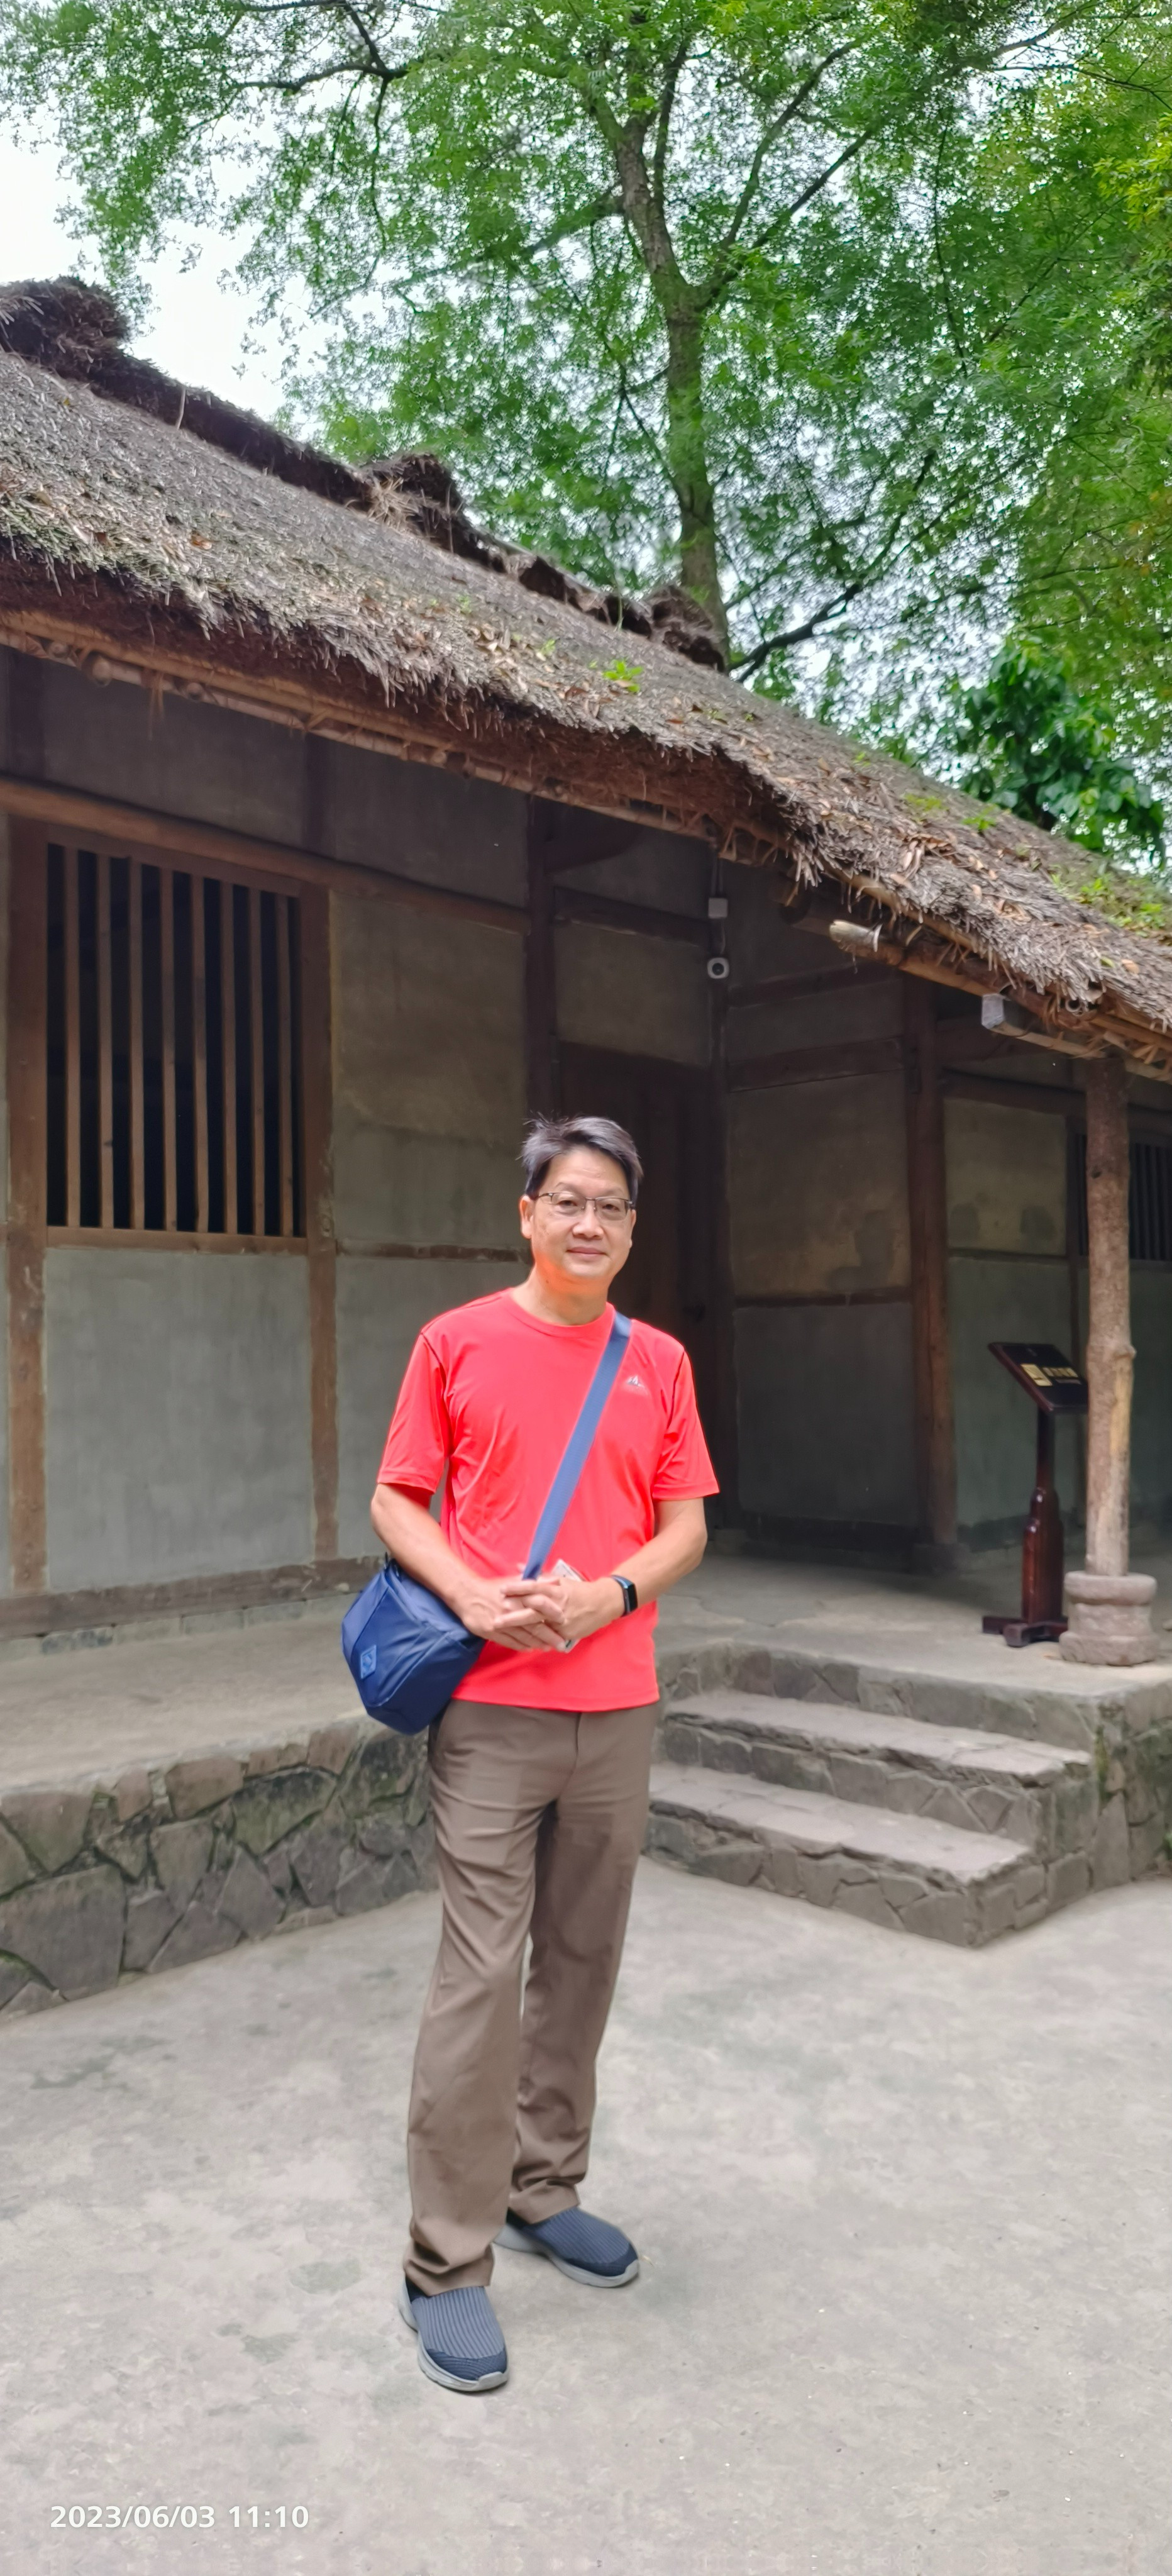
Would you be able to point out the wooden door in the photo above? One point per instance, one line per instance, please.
(667, 1108)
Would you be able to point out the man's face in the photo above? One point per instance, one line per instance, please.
(579, 1224)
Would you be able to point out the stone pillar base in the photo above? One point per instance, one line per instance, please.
(1110, 1619)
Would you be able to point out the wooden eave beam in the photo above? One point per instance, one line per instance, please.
(103, 818)
(1105, 1032)
(402, 734)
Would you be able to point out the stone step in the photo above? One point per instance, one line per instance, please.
(974, 1683)
(1042, 1795)
(905, 1872)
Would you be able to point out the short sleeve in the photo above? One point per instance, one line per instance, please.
(684, 1464)
(420, 1437)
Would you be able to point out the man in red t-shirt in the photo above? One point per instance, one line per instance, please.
(539, 1765)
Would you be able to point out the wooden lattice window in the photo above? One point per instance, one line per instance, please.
(1149, 1220)
(172, 1051)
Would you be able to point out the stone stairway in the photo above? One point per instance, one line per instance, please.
(959, 1833)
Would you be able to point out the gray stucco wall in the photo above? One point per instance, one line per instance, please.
(428, 1022)
(818, 1205)
(825, 1413)
(1151, 1420)
(381, 1306)
(1004, 1301)
(4, 1563)
(251, 776)
(1010, 1281)
(639, 996)
(177, 1398)
(818, 1188)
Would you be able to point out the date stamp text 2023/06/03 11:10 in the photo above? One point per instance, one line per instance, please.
(179, 2517)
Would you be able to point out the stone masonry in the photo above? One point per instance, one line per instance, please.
(1114, 1828)
(154, 1868)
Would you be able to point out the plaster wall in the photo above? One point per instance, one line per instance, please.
(177, 1402)
(659, 868)
(250, 776)
(381, 1306)
(841, 1015)
(1151, 1414)
(1003, 1300)
(818, 1188)
(818, 1202)
(4, 1560)
(825, 1413)
(1009, 1281)
(428, 1041)
(641, 996)
(762, 940)
(1006, 1178)
(419, 822)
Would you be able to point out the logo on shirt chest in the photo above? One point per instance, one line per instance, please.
(639, 1384)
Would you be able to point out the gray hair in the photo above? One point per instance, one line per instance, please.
(546, 1138)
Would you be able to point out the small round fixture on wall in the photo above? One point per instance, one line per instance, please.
(718, 970)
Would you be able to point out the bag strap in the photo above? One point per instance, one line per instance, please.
(578, 1446)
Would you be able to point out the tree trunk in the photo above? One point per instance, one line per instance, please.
(1110, 1354)
(687, 456)
(687, 440)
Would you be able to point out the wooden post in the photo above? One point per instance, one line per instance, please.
(1110, 1609)
(26, 1209)
(935, 1447)
(725, 1443)
(1110, 1355)
(321, 1244)
(542, 1088)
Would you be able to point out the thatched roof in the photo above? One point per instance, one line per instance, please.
(188, 543)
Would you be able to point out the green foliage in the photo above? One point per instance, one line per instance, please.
(1029, 742)
(835, 309)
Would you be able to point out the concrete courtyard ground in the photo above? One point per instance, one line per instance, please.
(904, 2216)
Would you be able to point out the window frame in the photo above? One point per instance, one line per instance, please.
(231, 879)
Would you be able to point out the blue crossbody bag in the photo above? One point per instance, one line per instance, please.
(405, 1649)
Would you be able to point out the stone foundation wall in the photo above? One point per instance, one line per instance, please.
(104, 1880)
(1127, 1827)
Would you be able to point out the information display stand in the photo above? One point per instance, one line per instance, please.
(1046, 1375)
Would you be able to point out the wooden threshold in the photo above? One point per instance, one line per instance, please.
(51, 1613)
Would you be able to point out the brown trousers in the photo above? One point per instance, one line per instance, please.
(539, 1820)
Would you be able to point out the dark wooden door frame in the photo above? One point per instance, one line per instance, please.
(710, 1336)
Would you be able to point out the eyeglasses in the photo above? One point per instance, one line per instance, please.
(567, 1206)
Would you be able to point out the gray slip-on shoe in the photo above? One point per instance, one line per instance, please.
(584, 2248)
(460, 2343)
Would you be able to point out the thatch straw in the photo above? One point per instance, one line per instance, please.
(192, 531)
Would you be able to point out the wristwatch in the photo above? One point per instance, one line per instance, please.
(630, 1596)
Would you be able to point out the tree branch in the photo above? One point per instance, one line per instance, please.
(720, 268)
(851, 590)
(663, 121)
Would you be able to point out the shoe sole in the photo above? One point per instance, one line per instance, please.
(515, 2243)
(431, 2369)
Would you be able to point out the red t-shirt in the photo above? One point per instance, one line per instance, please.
(492, 1394)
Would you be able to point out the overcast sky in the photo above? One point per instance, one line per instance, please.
(197, 326)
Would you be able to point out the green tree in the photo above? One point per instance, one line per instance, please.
(794, 300)
(1027, 740)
